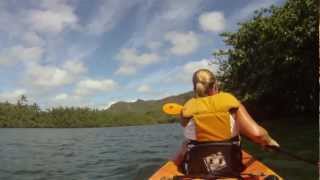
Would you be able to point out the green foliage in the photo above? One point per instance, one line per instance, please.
(271, 63)
(17, 115)
(141, 112)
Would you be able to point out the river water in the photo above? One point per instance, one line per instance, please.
(87, 153)
(117, 153)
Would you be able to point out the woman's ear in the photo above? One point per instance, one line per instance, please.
(216, 87)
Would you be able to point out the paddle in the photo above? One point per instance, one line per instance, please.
(282, 151)
(175, 109)
(172, 108)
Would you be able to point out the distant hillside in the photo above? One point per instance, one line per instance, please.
(150, 109)
(23, 115)
(144, 106)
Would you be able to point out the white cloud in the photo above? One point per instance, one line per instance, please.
(248, 10)
(182, 43)
(126, 69)
(75, 67)
(64, 99)
(212, 21)
(184, 74)
(47, 76)
(61, 97)
(105, 107)
(154, 45)
(19, 53)
(170, 15)
(110, 103)
(192, 66)
(144, 89)
(109, 13)
(12, 96)
(131, 56)
(251, 7)
(53, 18)
(31, 53)
(91, 86)
(131, 60)
(32, 39)
(10, 22)
(173, 80)
(50, 21)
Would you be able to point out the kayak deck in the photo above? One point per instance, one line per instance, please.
(254, 170)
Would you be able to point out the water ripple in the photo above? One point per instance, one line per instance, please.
(28, 172)
(87, 153)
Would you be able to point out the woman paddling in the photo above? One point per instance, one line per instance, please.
(213, 121)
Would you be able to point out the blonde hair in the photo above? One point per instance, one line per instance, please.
(203, 81)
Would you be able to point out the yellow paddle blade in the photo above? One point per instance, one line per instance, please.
(172, 108)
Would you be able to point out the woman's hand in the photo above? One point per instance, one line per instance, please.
(273, 142)
(184, 120)
(249, 128)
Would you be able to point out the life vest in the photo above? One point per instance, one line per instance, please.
(211, 116)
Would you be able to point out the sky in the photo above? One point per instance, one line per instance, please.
(95, 53)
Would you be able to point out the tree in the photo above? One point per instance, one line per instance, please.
(22, 100)
(272, 61)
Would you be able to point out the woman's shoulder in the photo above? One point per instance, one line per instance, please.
(228, 98)
(226, 94)
(189, 101)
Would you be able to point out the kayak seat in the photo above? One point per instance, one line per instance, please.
(213, 159)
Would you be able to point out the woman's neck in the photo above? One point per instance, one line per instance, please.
(213, 92)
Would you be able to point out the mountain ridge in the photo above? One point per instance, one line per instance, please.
(148, 109)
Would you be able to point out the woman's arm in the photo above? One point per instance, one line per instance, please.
(186, 113)
(249, 128)
(184, 120)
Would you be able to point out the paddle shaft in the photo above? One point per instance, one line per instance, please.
(282, 151)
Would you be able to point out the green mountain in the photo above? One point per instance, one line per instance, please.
(23, 115)
(147, 111)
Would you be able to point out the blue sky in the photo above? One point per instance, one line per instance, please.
(94, 53)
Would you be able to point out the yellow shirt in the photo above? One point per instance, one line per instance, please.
(211, 116)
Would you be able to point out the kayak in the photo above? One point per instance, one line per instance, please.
(254, 170)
